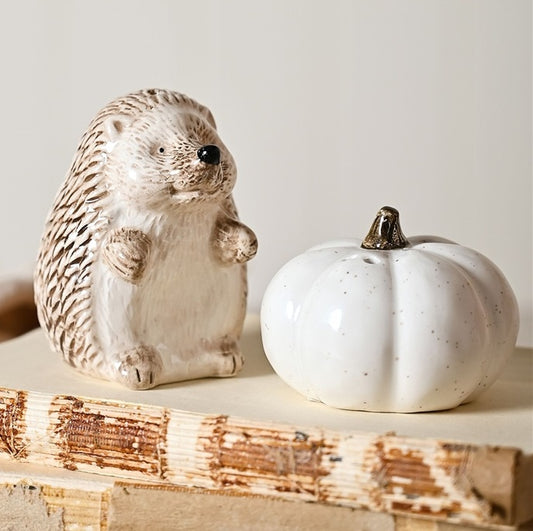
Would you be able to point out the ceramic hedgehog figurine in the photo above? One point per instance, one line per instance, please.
(141, 274)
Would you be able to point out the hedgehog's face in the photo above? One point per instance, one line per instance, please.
(169, 156)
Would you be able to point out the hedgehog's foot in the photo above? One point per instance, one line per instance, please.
(230, 358)
(211, 358)
(139, 367)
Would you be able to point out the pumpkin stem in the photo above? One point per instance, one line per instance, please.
(385, 232)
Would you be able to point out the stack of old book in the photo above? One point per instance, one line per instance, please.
(250, 453)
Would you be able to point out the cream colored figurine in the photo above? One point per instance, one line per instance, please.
(141, 274)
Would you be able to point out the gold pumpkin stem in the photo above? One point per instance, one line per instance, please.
(385, 233)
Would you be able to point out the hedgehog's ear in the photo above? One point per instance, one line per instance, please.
(115, 124)
(210, 117)
(205, 113)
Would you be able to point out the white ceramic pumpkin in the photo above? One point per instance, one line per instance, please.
(388, 324)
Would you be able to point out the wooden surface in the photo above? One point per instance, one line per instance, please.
(254, 436)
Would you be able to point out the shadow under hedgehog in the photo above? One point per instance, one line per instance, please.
(141, 273)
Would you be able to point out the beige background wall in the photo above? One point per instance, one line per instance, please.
(332, 109)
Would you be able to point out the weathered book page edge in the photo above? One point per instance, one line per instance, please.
(53, 499)
(443, 480)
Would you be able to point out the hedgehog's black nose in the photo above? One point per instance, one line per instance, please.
(209, 154)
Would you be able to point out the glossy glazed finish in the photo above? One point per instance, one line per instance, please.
(141, 274)
(420, 328)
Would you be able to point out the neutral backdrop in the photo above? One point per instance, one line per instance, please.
(331, 108)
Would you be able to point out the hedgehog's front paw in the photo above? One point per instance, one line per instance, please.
(126, 252)
(139, 367)
(234, 242)
(231, 359)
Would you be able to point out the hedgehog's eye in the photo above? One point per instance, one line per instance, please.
(158, 150)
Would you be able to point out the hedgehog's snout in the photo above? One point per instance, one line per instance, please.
(209, 154)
